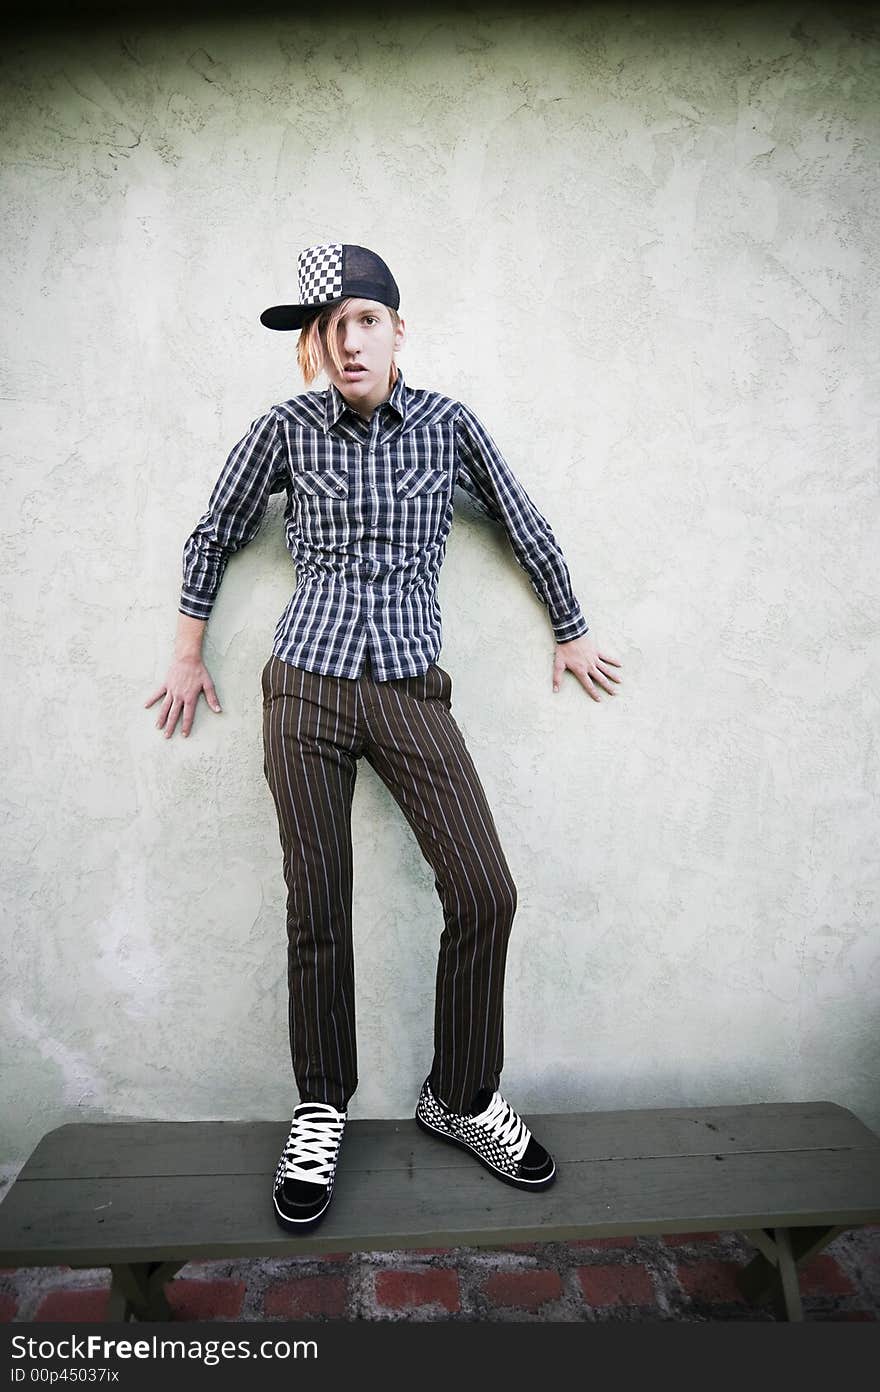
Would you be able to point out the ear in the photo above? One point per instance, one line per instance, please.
(400, 336)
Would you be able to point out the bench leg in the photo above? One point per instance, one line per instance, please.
(138, 1290)
(788, 1277)
(118, 1309)
(772, 1275)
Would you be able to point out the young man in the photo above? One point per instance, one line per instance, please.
(368, 467)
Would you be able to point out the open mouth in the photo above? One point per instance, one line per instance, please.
(355, 371)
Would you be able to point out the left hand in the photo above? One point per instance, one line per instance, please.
(589, 665)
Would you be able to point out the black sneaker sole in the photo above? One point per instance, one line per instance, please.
(300, 1225)
(528, 1184)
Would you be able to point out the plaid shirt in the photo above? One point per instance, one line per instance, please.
(369, 508)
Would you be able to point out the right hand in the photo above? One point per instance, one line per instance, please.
(187, 678)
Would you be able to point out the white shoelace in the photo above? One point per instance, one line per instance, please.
(502, 1121)
(314, 1138)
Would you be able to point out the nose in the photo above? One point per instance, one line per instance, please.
(351, 338)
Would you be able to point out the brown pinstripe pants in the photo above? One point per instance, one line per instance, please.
(315, 728)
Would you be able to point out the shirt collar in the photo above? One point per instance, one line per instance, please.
(335, 403)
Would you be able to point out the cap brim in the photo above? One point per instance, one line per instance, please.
(285, 316)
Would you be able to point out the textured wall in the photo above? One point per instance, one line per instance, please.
(642, 245)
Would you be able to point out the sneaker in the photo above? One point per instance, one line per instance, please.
(303, 1184)
(494, 1133)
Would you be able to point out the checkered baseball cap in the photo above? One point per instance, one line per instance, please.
(328, 273)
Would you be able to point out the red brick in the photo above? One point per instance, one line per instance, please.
(307, 1296)
(8, 1307)
(678, 1239)
(524, 1289)
(205, 1300)
(89, 1306)
(710, 1280)
(398, 1289)
(602, 1243)
(616, 1285)
(824, 1276)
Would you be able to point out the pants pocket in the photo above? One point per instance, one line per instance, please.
(265, 678)
(445, 694)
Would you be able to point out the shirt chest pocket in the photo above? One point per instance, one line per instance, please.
(413, 480)
(320, 484)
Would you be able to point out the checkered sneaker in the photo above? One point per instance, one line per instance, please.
(497, 1136)
(320, 273)
(303, 1184)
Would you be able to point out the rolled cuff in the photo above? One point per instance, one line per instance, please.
(195, 606)
(570, 626)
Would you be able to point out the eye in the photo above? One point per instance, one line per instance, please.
(372, 318)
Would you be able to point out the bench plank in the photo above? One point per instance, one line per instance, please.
(81, 1149)
(397, 1188)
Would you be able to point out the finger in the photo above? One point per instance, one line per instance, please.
(588, 685)
(598, 672)
(172, 719)
(155, 696)
(163, 711)
(613, 660)
(189, 710)
(600, 678)
(558, 669)
(211, 696)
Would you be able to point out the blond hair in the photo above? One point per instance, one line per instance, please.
(319, 337)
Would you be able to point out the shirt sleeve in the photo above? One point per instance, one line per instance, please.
(254, 469)
(486, 475)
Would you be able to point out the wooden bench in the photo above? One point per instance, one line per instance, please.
(146, 1197)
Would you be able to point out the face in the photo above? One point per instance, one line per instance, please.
(367, 340)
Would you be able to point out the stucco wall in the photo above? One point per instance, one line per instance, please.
(643, 247)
